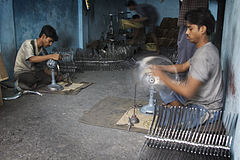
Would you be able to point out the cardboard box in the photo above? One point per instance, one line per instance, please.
(3, 70)
(1, 100)
(3, 76)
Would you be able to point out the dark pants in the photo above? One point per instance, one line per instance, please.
(34, 78)
(186, 48)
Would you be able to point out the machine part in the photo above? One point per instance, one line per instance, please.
(173, 128)
(20, 92)
(151, 82)
(87, 4)
(130, 124)
(149, 108)
(88, 65)
(134, 119)
(67, 62)
(67, 55)
(106, 56)
(52, 64)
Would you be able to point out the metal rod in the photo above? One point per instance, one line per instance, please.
(187, 143)
(160, 122)
(172, 126)
(221, 138)
(208, 135)
(196, 131)
(228, 124)
(159, 115)
(178, 127)
(163, 119)
(180, 137)
(150, 143)
(174, 129)
(190, 133)
(212, 135)
(168, 126)
(218, 133)
(231, 138)
(188, 129)
(164, 126)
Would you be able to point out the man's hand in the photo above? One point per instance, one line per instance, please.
(187, 89)
(157, 70)
(55, 56)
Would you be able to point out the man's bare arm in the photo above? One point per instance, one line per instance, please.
(177, 68)
(187, 88)
(37, 59)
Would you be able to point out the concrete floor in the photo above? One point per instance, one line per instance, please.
(47, 127)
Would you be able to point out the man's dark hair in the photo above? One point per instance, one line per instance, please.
(49, 31)
(131, 3)
(201, 17)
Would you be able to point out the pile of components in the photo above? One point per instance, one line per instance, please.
(172, 129)
(52, 64)
(67, 62)
(110, 52)
(107, 56)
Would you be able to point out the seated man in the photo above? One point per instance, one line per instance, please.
(203, 87)
(30, 66)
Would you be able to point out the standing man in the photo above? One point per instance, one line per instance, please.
(30, 69)
(149, 18)
(203, 87)
(186, 48)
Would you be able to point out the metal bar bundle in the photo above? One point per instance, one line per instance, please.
(109, 56)
(191, 130)
(67, 62)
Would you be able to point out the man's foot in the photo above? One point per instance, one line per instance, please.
(175, 103)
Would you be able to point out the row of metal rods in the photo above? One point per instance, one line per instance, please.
(173, 128)
(100, 66)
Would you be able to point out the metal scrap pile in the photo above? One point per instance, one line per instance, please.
(105, 55)
(67, 63)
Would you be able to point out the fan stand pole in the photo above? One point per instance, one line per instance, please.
(149, 108)
(134, 119)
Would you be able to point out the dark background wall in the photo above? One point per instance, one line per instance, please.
(165, 8)
(23, 19)
(7, 35)
(96, 20)
(231, 62)
(31, 15)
